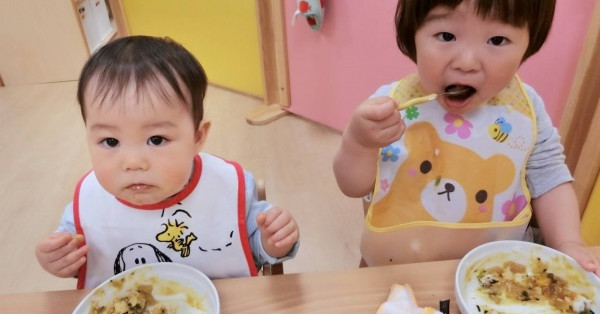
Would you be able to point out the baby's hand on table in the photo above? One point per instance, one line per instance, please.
(62, 254)
(376, 123)
(279, 231)
(582, 255)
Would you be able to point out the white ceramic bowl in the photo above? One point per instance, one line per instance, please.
(467, 286)
(176, 285)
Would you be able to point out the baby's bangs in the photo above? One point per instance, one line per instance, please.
(111, 82)
(513, 12)
(141, 62)
(154, 84)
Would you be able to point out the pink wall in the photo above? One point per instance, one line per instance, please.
(332, 70)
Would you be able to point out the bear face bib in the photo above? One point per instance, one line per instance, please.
(452, 181)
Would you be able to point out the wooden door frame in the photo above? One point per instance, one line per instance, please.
(120, 20)
(273, 53)
(118, 12)
(580, 124)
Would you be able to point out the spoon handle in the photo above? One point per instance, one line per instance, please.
(416, 101)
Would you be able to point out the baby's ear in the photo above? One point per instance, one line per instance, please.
(423, 135)
(504, 169)
(202, 134)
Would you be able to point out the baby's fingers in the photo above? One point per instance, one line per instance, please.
(69, 265)
(379, 109)
(286, 235)
(268, 220)
(54, 242)
(586, 259)
(261, 219)
(591, 265)
(49, 253)
(288, 239)
(75, 243)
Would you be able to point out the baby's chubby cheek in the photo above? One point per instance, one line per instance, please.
(412, 172)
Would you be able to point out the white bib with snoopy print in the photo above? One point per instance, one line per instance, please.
(202, 226)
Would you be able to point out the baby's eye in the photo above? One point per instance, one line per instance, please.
(156, 140)
(425, 166)
(498, 40)
(445, 36)
(110, 142)
(481, 196)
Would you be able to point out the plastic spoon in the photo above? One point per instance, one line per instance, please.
(452, 91)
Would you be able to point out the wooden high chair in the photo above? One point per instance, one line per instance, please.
(275, 269)
(366, 205)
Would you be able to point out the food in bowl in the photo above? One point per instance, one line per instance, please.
(517, 283)
(153, 288)
(523, 277)
(137, 301)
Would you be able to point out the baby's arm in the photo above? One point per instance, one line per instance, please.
(376, 123)
(557, 215)
(278, 230)
(61, 254)
(254, 226)
(554, 201)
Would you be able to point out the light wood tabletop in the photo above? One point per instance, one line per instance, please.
(359, 290)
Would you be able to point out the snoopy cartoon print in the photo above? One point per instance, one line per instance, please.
(138, 254)
(176, 233)
(442, 181)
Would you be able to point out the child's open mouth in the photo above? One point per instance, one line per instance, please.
(459, 92)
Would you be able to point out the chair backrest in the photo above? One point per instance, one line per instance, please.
(275, 269)
(366, 205)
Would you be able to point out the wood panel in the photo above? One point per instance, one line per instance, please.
(271, 32)
(580, 125)
(273, 51)
(589, 222)
(118, 11)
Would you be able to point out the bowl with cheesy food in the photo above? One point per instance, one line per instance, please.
(524, 277)
(160, 288)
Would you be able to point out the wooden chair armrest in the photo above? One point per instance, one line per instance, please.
(275, 269)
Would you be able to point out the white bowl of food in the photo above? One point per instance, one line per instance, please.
(524, 277)
(153, 288)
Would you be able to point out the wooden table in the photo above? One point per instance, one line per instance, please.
(346, 291)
